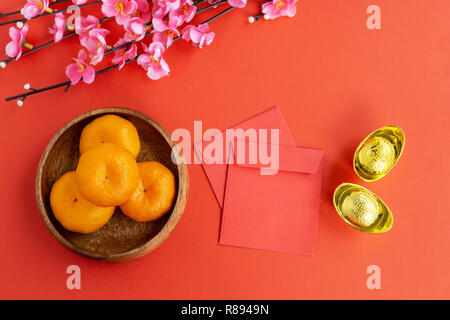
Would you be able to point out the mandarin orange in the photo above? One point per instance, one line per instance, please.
(154, 195)
(72, 210)
(107, 175)
(113, 129)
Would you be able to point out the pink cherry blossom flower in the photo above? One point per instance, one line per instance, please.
(163, 7)
(124, 54)
(79, 2)
(153, 62)
(278, 8)
(14, 47)
(143, 11)
(80, 69)
(59, 27)
(237, 3)
(84, 24)
(34, 8)
(185, 13)
(165, 33)
(198, 35)
(120, 9)
(94, 41)
(135, 29)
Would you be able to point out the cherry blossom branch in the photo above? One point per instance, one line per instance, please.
(200, 10)
(216, 16)
(213, 5)
(67, 84)
(260, 15)
(48, 13)
(3, 63)
(2, 15)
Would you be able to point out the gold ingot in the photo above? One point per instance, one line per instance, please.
(377, 154)
(362, 209)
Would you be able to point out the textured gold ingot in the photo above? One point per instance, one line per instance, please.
(361, 207)
(377, 154)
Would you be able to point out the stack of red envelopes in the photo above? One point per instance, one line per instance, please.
(272, 208)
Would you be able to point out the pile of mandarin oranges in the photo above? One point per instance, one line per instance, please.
(107, 176)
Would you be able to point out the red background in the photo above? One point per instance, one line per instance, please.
(334, 80)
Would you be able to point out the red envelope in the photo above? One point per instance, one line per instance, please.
(217, 173)
(274, 212)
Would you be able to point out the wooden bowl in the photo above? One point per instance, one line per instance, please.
(122, 238)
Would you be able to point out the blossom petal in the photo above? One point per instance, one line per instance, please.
(196, 35)
(159, 24)
(73, 73)
(14, 33)
(82, 55)
(30, 11)
(12, 50)
(108, 11)
(89, 75)
(209, 37)
(238, 3)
